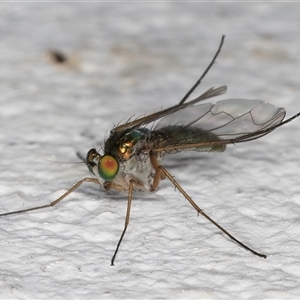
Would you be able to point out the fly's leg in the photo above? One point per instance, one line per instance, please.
(76, 186)
(159, 174)
(205, 72)
(200, 211)
(126, 220)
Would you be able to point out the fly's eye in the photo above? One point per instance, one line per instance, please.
(108, 167)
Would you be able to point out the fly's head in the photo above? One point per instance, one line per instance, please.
(120, 153)
(105, 166)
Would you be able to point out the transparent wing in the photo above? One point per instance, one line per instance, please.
(212, 92)
(206, 127)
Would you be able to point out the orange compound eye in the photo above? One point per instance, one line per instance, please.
(108, 167)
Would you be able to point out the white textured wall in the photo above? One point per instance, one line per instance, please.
(131, 59)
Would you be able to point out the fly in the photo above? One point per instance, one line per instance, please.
(133, 151)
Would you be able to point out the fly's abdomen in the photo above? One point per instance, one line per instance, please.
(180, 136)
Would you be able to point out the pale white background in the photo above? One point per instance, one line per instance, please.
(130, 59)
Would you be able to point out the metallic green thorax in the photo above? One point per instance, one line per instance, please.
(122, 145)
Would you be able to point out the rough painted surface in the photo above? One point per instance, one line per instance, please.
(130, 59)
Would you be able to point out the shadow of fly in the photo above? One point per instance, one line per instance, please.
(133, 151)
